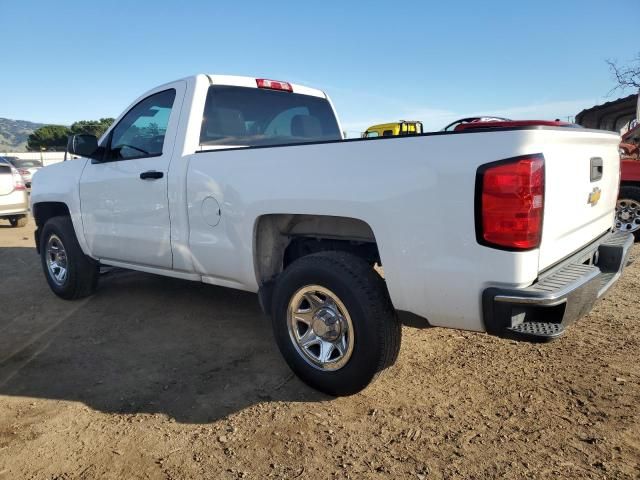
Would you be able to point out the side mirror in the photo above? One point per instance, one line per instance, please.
(84, 145)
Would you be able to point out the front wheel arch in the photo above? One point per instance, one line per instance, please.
(43, 211)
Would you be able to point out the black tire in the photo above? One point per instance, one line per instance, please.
(82, 271)
(631, 192)
(19, 221)
(364, 294)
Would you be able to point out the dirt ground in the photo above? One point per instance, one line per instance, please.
(166, 379)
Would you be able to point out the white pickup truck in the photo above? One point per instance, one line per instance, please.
(247, 183)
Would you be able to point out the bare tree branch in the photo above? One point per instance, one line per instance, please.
(625, 76)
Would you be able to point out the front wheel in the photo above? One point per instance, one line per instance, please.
(628, 210)
(69, 272)
(334, 322)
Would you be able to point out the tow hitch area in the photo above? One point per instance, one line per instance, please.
(542, 311)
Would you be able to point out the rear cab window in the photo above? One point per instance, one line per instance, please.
(26, 163)
(245, 116)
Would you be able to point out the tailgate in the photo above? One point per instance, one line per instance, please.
(582, 176)
(6, 180)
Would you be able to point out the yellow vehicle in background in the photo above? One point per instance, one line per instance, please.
(402, 127)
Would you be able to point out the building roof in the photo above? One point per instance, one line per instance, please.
(611, 115)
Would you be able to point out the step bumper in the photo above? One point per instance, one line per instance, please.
(542, 311)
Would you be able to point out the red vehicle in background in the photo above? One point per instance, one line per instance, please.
(499, 122)
(628, 210)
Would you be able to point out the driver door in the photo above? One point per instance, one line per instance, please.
(124, 201)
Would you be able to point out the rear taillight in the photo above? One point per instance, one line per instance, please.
(18, 182)
(510, 203)
(274, 84)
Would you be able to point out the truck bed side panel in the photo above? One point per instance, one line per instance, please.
(417, 195)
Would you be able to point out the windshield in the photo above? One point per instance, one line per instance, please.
(25, 163)
(242, 116)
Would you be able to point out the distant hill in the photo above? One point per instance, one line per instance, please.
(14, 133)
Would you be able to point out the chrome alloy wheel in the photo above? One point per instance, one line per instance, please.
(56, 260)
(627, 215)
(320, 328)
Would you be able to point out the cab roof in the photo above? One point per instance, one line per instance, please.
(244, 81)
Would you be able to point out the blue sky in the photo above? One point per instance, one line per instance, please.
(379, 61)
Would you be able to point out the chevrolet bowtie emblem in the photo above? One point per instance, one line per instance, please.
(594, 196)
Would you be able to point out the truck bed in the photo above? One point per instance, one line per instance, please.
(418, 196)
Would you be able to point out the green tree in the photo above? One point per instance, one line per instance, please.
(49, 137)
(93, 127)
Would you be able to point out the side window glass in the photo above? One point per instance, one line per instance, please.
(387, 133)
(141, 131)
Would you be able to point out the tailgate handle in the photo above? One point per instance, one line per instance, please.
(596, 169)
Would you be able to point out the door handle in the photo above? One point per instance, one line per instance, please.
(151, 175)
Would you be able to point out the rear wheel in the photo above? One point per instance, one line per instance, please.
(628, 210)
(69, 272)
(334, 322)
(18, 221)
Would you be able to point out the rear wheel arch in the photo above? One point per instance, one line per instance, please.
(280, 239)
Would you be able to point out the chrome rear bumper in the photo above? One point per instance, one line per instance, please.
(561, 296)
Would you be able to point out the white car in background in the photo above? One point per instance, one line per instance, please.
(26, 168)
(14, 201)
